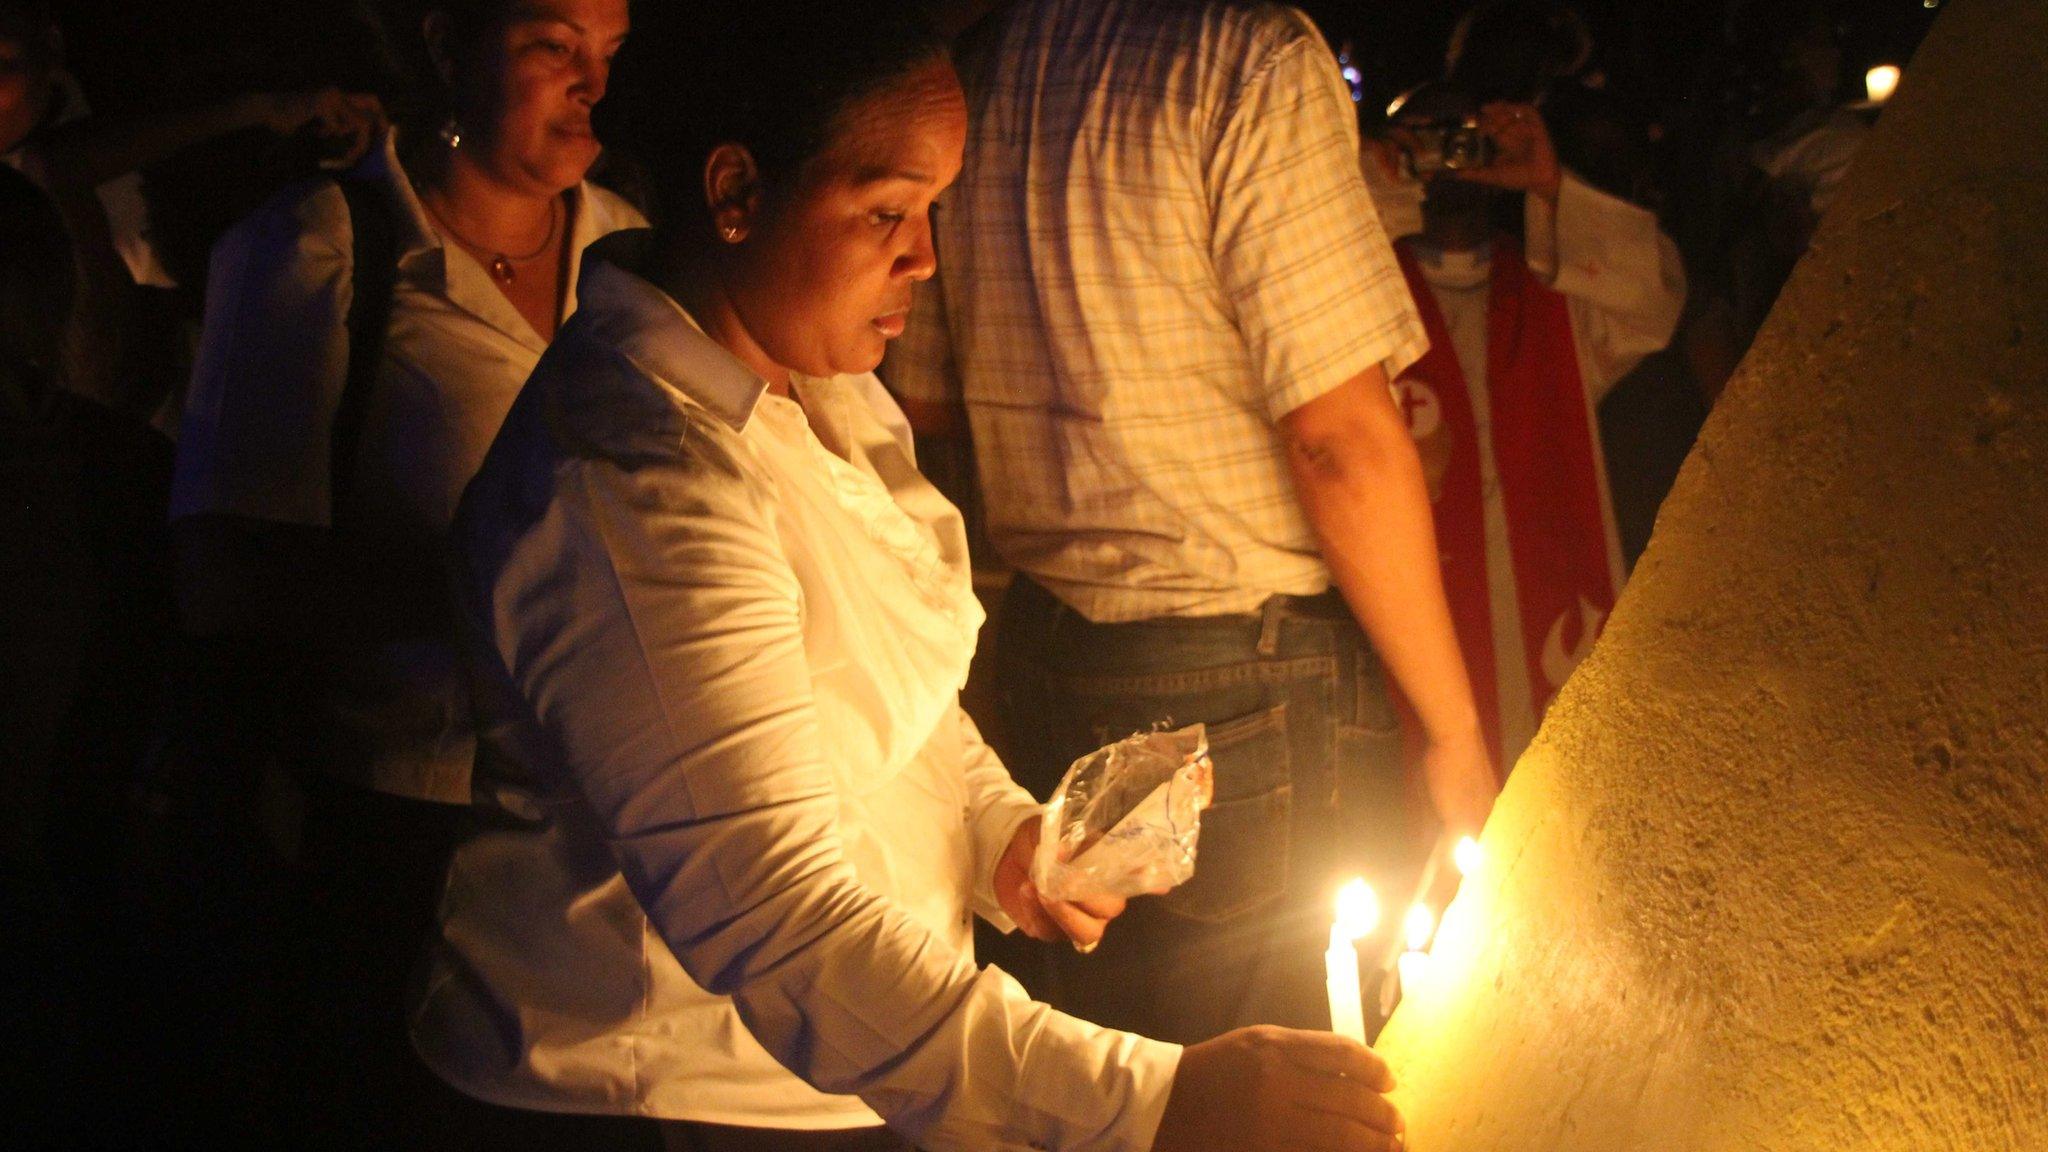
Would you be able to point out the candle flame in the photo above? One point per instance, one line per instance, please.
(1468, 856)
(1418, 927)
(1880, 82)
(1358, 910)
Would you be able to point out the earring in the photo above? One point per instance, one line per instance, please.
(451, 132)
(731, 232)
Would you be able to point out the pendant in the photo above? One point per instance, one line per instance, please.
(501, 269)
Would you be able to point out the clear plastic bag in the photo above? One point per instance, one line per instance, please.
(1125, 819)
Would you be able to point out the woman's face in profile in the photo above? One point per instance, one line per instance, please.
(534, 83)
(24, 90)
(827, 279)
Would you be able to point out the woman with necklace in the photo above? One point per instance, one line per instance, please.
(364, 340)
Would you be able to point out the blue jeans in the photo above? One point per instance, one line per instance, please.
(1307, 751)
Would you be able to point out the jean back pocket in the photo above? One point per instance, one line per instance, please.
(1241, 858)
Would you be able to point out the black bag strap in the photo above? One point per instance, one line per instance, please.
(374, 222)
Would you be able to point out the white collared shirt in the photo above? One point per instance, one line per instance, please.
(120, 197)
(1159, 246)
(258, 421)
(731, 818)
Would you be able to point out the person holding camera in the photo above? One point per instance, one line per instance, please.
(1525, 338)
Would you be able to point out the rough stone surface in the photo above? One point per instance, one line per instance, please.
(1774, 876)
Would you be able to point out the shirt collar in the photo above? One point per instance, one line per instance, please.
(618, 307)
(423, 256)
(1454, 270)
(418, 243)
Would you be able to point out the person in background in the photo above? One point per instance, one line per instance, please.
(89, 480)
(731, 822)
(364, 338)
(1776, 157)
(48, 579)
(52, 589)
(1173, 343)
(91, 167)
(1525, 339)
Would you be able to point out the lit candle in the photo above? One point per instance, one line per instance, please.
(1414, 966)
(1358, 913)
(1468, 856)
(1880, 82)
(1419, 925)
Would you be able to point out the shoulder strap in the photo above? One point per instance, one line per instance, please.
(374, 267)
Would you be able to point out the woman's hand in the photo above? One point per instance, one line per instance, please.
(1260, 1088)
(349, 121)
(1079, 921)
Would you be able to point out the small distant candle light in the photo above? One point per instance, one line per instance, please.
(1468, 856)
(1880, 82)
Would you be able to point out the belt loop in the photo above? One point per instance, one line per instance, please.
(1271, 613)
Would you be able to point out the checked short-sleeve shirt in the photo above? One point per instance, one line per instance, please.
(1160, 245)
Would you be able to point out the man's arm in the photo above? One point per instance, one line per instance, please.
(89, 152)
(1317, 295)
(1621, 276)
(1361, 486)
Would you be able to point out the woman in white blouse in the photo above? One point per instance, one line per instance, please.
(731, 821)
(312, 495)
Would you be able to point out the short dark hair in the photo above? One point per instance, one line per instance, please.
(772, 75)
(25, 21)
(1515, 49)
(419, 100)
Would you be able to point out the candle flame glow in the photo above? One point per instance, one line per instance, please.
(1358, 910)
(1418, 927)
(1468, 856)
(1880, 82)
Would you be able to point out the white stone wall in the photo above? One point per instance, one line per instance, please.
(1775, 874)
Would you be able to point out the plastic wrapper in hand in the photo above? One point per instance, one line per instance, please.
(1125, 819)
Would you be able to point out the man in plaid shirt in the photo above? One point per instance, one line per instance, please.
(1171, 313)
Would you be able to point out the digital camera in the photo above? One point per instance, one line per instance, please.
(1458, 144)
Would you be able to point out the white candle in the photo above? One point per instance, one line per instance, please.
(1414, 968)
(1418, 927)
(1358, 913)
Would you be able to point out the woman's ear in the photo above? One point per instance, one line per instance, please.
(434, 30)
(732, 190)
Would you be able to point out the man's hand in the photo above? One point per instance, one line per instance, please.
(1386, 151)
(1079, 921)
(1462, 786)
(350, 120)
(1262, 1088)
(1526, 161)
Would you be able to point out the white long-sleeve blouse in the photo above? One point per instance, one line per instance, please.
(731, 817)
